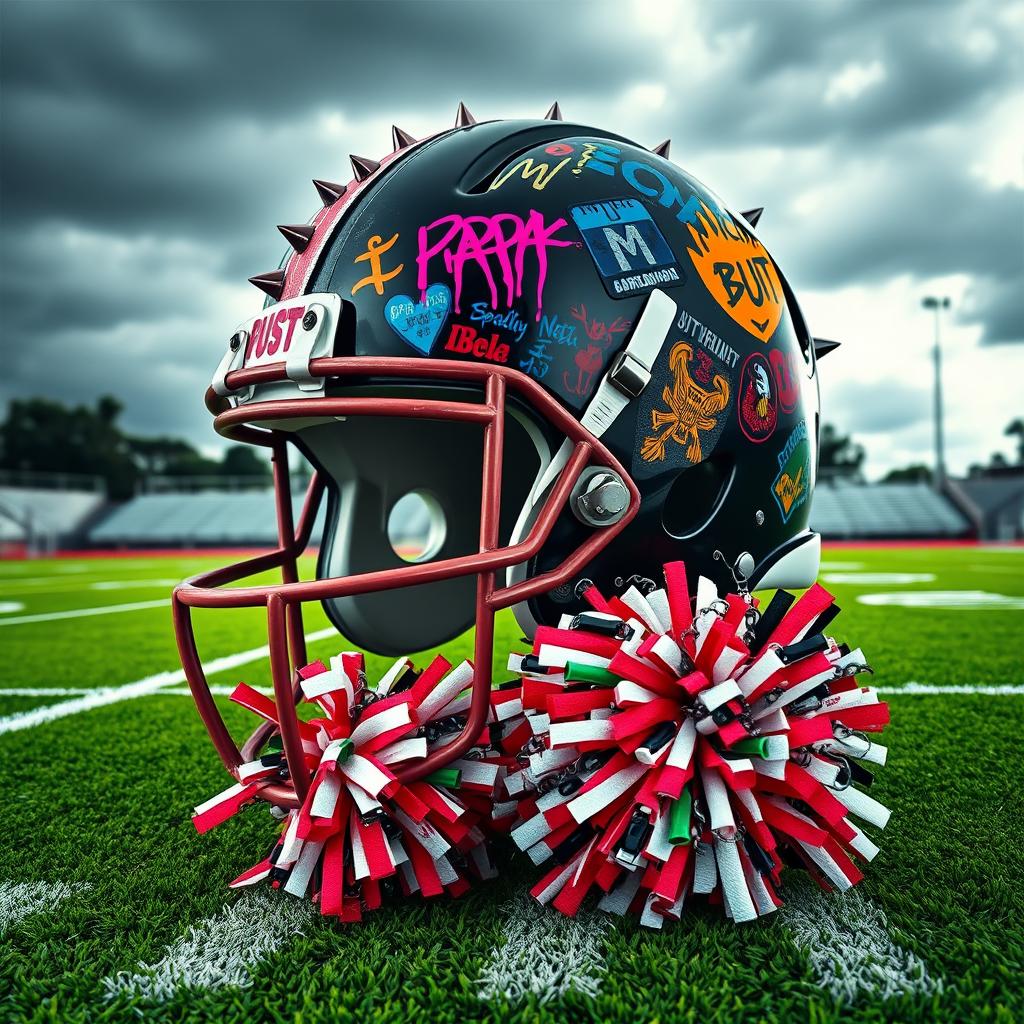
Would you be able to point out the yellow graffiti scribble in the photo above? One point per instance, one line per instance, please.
(691, 409)
(589, 149)
(540, 173)
(377, 277)
(788, 489)
(737, 271)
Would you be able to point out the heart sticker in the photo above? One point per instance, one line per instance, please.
(419, 323)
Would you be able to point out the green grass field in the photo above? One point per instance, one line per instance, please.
(111, 906)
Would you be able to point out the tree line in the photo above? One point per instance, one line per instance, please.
(45, 436)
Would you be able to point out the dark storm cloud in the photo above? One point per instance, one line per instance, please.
(184, 114)
(911, 201)
(148, 149)
(780, 56)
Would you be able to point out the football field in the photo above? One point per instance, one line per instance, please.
(112, 907)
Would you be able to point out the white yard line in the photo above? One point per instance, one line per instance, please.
(220, 951)
(217, 691)
(133, 584)
(130, 691)
(78, 613)
(913, 689)
(20, 899)
(70, 586)
(846, 938)
(927, 689)
(50, 691)
(545, 953)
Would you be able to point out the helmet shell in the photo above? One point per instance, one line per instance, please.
(535, 245)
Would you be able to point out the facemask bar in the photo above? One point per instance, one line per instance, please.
(283, 601)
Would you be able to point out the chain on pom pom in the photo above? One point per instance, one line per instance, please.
(666, 754)
(360, 828)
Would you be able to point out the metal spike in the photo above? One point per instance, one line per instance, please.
(298, 235)
(753, 216)
(822, 347)
(400, 139)
(662, 149)
(363, 166)
(330, 192)
(554, 112)
(463, 118)
(271, 282)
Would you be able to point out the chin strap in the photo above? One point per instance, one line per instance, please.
(627, 376)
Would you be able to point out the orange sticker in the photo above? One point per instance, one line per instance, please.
(737, 270)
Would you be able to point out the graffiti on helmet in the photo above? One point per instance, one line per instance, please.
(736, 270)
(792, 485)
(465, 341)
(590, 354)
(627, 247)
(691, 410)
(537, 172)
(508, 320)
(707, 338)
(560, 332)
(538, 359)
(501, 246)
(786, 370)
(377, 276)
(734, 266)
(757, 399)
(419, 323)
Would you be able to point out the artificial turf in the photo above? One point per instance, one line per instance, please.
(104, 798)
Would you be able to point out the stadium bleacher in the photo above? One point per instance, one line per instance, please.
(48, 517)
(841, 510)
(208, 518)
(847, 510)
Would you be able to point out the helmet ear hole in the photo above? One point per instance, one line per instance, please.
(417, 526)
(696, 495)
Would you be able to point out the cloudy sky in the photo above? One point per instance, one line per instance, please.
(148, 150)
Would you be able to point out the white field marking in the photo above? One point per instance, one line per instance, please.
(219, 951)
(142, 688)
(928, 689)
(874, 579)
(20, 899)
(14, 569)
(132, 584)
(545, 953)
(913, 688)
(48, 691)
(846, 938)
(956, 600)
(58, 585)
(1003, 549)
(6, 607)
(36, 581)
(217, 691)
(840, 565)
(79, 613)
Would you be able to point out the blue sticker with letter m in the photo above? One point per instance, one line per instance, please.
(629, 249)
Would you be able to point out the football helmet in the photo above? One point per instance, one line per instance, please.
(584, 362)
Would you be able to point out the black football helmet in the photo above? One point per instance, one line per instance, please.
(560, 257)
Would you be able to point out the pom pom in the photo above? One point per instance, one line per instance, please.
(360, 829)
(669, 754)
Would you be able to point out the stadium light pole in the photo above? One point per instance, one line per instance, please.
(936, 304)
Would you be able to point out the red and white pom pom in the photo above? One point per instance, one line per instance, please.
(669, 755)
(360, 827)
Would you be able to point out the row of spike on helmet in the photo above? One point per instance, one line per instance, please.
(300, 235)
